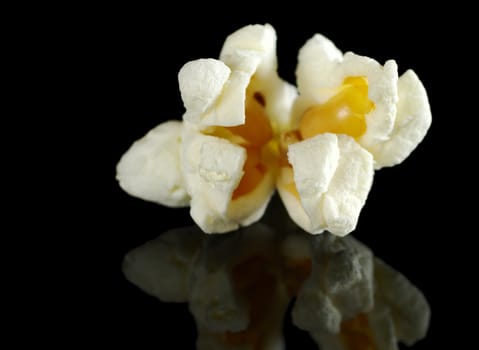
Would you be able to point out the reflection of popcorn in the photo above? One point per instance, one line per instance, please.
(340, 285)
(239, 286)
(162, 267)
(245, 131)
(353, 298)
(231, 283)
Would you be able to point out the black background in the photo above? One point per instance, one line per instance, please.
(127, 61)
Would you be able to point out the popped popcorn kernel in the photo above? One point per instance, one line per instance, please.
(246, 133)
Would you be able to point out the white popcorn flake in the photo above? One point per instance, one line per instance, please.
(280, 96)
(349, 187)
(316, 59)
(333, 176)
(221, 163)
(213, 169)
(412, 122)
(201, 83)
(212, 93)
(151, 168)
(383, 91)
(314, 162)
(251, 49)
(229, 108)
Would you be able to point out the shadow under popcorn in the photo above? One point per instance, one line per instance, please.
(240, 286)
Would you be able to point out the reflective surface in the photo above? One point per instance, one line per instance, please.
(241, 286)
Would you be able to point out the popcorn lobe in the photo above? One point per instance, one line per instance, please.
(411, 125)
(201, 83)
(333, 176)
(151, 170)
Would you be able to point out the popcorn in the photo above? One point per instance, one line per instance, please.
(246, 132)
(239, 286)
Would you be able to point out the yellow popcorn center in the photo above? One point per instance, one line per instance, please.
(287, 139)
(344, 113)
(257, 129)
(253, 135)
(258, 132)
(356, 334)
